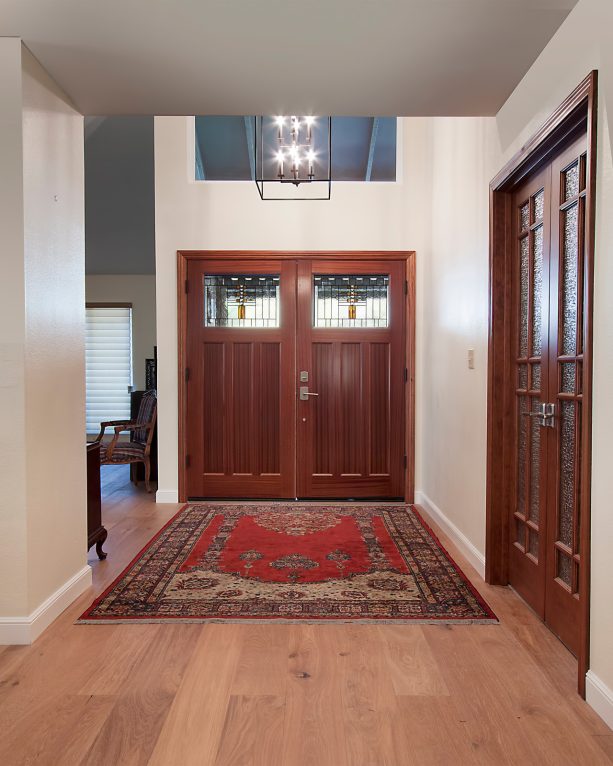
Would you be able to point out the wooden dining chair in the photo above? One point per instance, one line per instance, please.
(138, 449)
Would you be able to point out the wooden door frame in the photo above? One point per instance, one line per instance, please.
(408, 256)
(577, 114)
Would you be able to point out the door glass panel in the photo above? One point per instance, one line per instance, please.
(522, 376)
(539, 200)
(524, 216)
(568, 377)
(347, 300)
(567, 473)
(241, 300)
(537, 289)
(524, 275)
(571, 181)
(533, 544)
(522, 453)
(536, 377)
(535, 465)
(564, 568)
(569, 281)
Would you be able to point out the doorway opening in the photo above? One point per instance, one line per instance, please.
(539, 386)
(296, 375)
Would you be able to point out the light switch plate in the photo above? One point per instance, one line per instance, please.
(471, 358)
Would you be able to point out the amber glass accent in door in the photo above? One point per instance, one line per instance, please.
(240, 379)
(566, 346)
(350, 432)
(531, 280)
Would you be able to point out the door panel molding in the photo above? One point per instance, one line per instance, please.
(228, 260)
(577, 115)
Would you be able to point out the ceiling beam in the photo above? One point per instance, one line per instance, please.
(249, 133)
(371, 148)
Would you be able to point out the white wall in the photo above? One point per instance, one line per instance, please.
(139, 290)
(43, 472)
(585, 42)
(453, 403)
(230, 215)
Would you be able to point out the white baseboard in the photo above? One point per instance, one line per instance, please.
(167, 496)
(25, 630)
(599, 697)
(474, 556)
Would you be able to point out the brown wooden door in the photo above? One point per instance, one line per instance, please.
(350, 429)
(549, 298)
(240, 421)
(255, 329)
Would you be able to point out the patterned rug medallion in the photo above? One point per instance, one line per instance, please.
(344, 563)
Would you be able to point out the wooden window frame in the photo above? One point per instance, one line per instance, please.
(408, 256)
(577, 114)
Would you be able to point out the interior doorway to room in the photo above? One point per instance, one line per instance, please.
(539, 401)
(296, 375)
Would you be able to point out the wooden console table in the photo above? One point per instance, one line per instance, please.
(96, 533)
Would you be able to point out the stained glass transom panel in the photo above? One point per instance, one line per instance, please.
(350, 300)
(241, 300)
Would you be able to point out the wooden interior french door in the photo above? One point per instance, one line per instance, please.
(294, 378)
(549, 297)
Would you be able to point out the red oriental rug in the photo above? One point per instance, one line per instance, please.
(345, 563)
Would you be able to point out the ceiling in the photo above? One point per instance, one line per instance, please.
(234, 57)
(363, 148)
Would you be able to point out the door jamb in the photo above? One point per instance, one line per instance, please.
(576, 114)
(408, 256)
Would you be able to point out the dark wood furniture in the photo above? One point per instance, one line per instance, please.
(138, 449)
(96, 533)
(137, 470)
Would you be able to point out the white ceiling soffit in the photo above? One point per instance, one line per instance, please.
(354, 57)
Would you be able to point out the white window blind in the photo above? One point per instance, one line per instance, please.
(108, 364)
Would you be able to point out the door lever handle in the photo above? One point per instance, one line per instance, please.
(305, 393)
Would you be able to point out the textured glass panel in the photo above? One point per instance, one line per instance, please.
(524, 216)
(537, 290)
(533, 543)
(564, 568)
(350, 300)
(539, 200)
(535, 466)
(524, 272)
(241, 300)
(520, 533)
(522, 452)
(536, 377)
(522, 376)
(567, 472)
(568, 377)
(571, 181)
(569, 282)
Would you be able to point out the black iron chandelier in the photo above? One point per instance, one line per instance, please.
(293, 157)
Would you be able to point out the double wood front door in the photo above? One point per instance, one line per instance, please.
(295, 378)
(548, 339)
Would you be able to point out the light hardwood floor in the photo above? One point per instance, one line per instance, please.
(288, 695)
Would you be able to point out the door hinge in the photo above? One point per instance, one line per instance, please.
(186, 285)
(406, 462)
(406, 375)
(188, 461)
(186, 374)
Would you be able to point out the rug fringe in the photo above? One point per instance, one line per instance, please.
(282, 621)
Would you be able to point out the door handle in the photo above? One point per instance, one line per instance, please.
(305, 393)
(546, 413)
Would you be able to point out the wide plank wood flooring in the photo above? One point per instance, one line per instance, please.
(288, 695)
